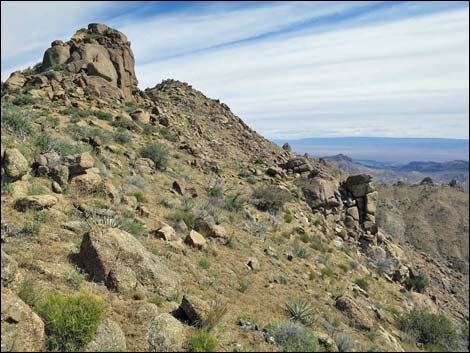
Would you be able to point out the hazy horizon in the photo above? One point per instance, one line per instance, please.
(385, 149)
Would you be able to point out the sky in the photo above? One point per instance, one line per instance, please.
(288, 69)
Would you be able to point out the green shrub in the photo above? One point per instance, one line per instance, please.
(216, 192)
(428, 328)
(70, 320)
(259, 161)
(83, 133)
(28, 292)
(122, 136)
(123, 124)
(76, 114)
(417, 283)
(304, 238)
(6, 187)
(32, 227)
(327, 272)
(363, 283)
(293, 337)
(94, 36)
(243, 286)
(157, 300)
(47, 143)
(205, 263)
(214, 316)
(24, 99)
(234, 202)
(202, 341)
(157, 153)
(288, 217)
(270, 198)
(103, 115)
(75, 278)
(133, 227)
(299, 310)
(16, 121)
(186, 216)
(300, 252)
(140, 197)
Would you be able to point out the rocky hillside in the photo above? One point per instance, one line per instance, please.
(158, 221)
(422, 214)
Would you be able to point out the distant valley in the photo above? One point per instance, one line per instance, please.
(412, 161)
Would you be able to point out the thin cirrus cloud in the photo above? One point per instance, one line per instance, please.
(295, 69)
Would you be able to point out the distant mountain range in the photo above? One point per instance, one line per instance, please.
(411, 173)
(384, 150)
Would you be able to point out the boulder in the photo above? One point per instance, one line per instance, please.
(14, 164)
(21, 330)
(80, 164)
(167, 233)
(287, 147)
(165, 334)
(16, 80)
(108, 338)
(195, 309)
(371, 202)
(147, 312)
(321, 192)
(87, 183)
(352, 310)
(141, 116)
(37, 202)
(276, 172)
(195, 239)
(118, 259)
(57, 54)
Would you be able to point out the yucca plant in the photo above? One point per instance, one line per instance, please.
(299, 310)
(108, 221)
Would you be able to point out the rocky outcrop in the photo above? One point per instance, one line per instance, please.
(361, 202)
(352, 310)
(9, 270)
(22, 329)
(298, 165)
(321, 192)
(37, 202)
(195, 309)
(118, 259)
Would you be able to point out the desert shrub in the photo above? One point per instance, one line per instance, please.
(32, 227)
(270, 198)
(216, 192)
(217, 311)
(243, 286)
(44, 142)
(36, 190)
(205, 263)
(362, 283)
(234, 203)
(16, 121)
(70, 320)
(140, 197)
(202, 341)
(157, 153)
(24, 99)
(123, 124)
(76, 114)
(6, 187)
(122, 136)
(417, 283)
(327, 272)
(299, 310)
(138, 181)
(133, 227)
(186, 216)
(75, 278)
(300, 251)
(293, 337)
(428, 328)
(157, 300)
(167, 135)
(288, 217)
(103, 115)
(28, 292)
(259, 161)
(345, 342)
(83, 133)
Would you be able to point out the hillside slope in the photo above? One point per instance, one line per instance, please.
(158, 221)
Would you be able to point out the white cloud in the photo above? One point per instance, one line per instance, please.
(397, 71)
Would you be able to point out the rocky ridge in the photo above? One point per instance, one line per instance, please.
(144, 232)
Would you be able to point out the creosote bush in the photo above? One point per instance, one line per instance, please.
(417, 283)
(70, 320)
(428, 328)
(202, 341)
(293, 337)
(270, 198)
(157, 153)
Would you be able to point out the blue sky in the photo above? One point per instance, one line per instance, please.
(289, 69)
